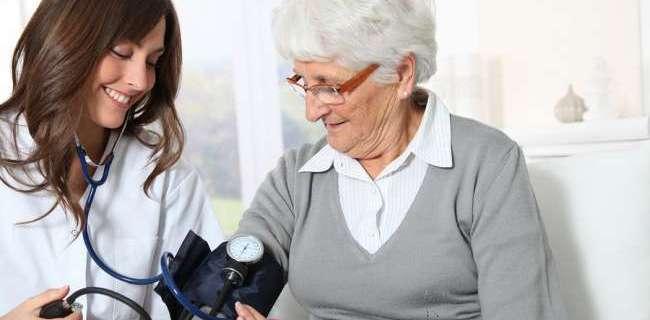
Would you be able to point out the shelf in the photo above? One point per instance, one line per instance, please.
(582, 137)
(594, 131)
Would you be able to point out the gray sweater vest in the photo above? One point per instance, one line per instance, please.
(472, 245)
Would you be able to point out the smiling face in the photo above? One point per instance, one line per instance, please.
(362, 124)
(124, 75)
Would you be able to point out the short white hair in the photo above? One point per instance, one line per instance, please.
(357, 33)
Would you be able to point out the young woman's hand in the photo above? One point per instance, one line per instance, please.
(246, 312)
(30, 308)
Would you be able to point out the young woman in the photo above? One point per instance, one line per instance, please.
(101, 75)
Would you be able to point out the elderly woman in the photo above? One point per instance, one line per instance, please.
(403, 211)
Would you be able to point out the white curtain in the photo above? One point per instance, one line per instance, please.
(645, 51)
(256, 90)
(13, 16)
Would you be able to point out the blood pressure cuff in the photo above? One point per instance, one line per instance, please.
(198, 274)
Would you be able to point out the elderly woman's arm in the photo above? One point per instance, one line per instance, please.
(516, 275)
(271, 214)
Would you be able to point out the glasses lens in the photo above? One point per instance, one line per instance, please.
(328, 95)
(297, 89)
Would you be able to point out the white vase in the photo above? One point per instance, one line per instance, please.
(570, 108)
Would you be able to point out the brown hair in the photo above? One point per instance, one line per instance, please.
(56, 55)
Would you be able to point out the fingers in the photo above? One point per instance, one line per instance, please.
(30, 308)
(46, 297)
(246, 312)
(74, 316)
(242, 312)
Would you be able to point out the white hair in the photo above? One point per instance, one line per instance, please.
(357, 33)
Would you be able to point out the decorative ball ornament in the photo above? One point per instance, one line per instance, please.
(570, 108)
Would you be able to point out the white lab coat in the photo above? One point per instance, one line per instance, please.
(129, 231)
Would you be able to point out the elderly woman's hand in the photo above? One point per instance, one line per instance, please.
(246, 312)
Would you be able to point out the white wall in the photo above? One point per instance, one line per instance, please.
(544, 46)
(508, 62)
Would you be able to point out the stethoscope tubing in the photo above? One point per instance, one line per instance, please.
(164, 276)
(89, 201)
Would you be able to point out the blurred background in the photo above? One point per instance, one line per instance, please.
(508, 63)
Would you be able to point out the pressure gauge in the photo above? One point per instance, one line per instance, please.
(245, 249)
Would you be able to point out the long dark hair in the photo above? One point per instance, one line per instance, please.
(54, 61)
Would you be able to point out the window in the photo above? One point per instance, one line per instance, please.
(207, 103)
(13, 16)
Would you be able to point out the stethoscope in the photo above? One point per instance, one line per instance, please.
(165, 275)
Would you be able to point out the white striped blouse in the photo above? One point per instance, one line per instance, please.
(373, 210)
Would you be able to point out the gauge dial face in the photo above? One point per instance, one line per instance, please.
(245, 248)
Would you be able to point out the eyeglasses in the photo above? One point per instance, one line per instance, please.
(330, 94)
